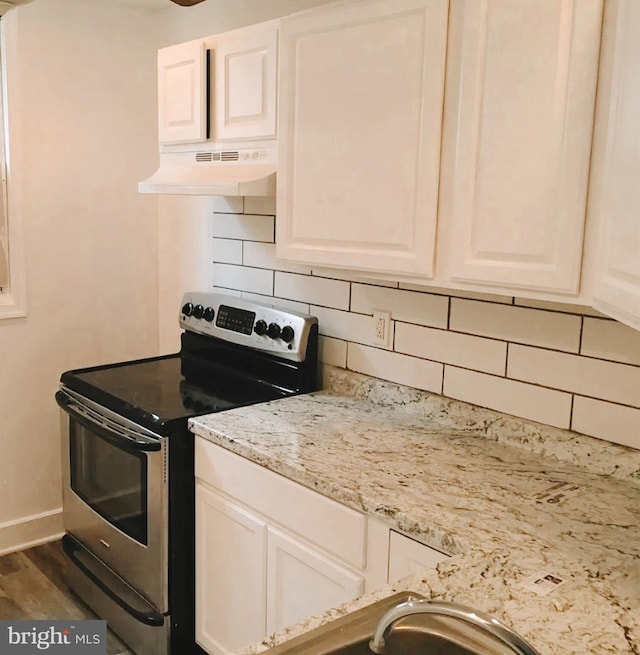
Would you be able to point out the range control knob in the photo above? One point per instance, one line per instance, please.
(198, 311)
(187, 309)
(209, 314)
(260, 327)
(287, 334)
(273, 330)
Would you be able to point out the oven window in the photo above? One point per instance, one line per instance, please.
(110, 479)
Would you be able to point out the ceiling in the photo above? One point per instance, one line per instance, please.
(157, 4)
(143, 4)
(154, 5)
(148, 4)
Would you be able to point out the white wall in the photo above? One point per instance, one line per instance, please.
(82, 133)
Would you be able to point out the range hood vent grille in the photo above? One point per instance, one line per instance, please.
(218, 155)
(215, 172)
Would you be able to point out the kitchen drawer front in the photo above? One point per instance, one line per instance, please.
(333, 527)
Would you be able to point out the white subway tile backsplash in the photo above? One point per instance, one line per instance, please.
(350, 276)
(606, 421)
(243, 278)
(260, 205)
(228, 204)
(343, 325)
(244, 226)
(582, 375)
(316, 291)
(282, 303)
(516, 398)
(227, 251)
(259, 255)
(227, 292)
(517, 324)
(263, 255)
(421, 308)
(403, 369)
(477, 353)
(332, 351)
(460, 343)
(610, 340)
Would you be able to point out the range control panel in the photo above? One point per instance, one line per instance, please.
(247, 323)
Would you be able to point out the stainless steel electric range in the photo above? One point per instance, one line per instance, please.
(128, 471)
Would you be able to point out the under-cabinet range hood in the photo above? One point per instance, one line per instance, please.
(205, 172)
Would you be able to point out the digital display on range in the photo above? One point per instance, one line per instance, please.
(234, 319)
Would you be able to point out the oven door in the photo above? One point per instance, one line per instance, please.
(115, 495)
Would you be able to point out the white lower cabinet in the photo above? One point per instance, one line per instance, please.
(231, 549)
(271, 552)
(253, 579)
(301, 582)
(407, 556)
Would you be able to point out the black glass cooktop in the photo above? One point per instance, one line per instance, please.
(154, 392)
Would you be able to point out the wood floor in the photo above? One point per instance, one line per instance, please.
(32, 586)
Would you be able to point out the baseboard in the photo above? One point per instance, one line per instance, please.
(31, 531)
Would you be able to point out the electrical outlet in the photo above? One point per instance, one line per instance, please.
(381, 328)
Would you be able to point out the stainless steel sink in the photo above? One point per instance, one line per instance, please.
(424, 634)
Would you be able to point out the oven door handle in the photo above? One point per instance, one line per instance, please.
(95, 571)
(118, 435)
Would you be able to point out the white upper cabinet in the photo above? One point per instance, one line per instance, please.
(219, 88)
(615, 198)
(518, 120)
(245, 91)
(182, 93)
(360, 112)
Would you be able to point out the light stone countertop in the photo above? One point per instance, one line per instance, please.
(461, 479)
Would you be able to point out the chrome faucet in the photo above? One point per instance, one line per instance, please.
(494, 627)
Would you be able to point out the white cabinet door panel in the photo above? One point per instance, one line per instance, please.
(246, 71)
(521, 80)
(615, 199)
(407, 556)
(182, 93)
(301, 582)
(230, 574)
(360, 111)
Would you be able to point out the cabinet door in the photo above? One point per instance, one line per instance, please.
(245, 92)
(408, 556)
(230, 574)
(301, 582)
(615, 200)
(182, 93)
(360, 112)
(521, 78)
